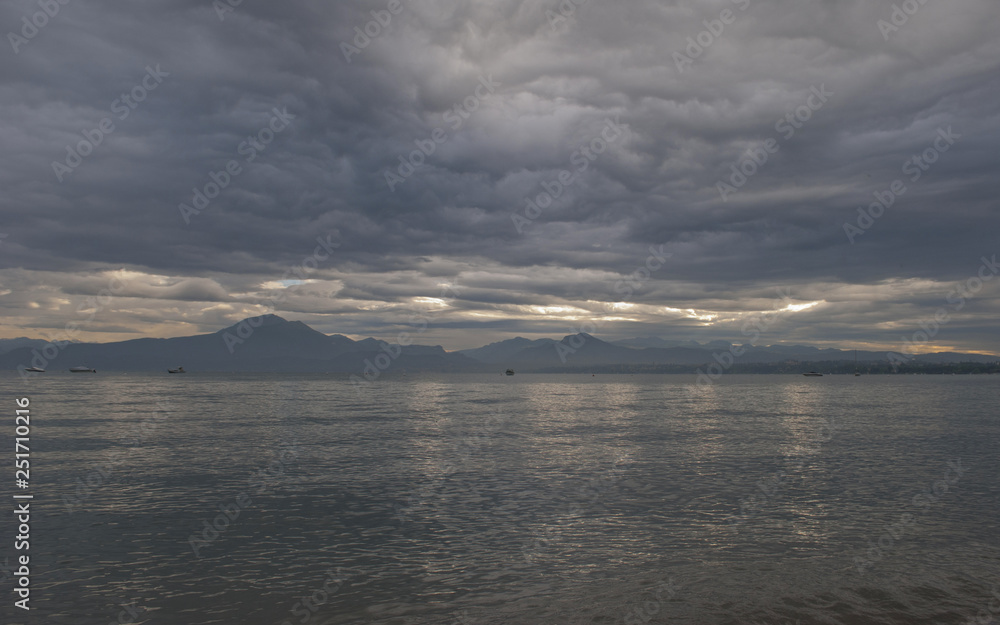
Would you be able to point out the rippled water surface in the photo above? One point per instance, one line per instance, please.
(481, 499)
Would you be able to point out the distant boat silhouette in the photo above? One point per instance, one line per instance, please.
(35, 370)
(82, 370)
(813, 374)
(177, 370)
(510, 372)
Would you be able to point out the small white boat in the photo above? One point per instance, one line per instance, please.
(35, 370)
(509, 372)
(177, 370)
(82, 370)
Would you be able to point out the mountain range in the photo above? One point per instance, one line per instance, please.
(9, 345)
(584, 349)
(267, 343)
(271, 343)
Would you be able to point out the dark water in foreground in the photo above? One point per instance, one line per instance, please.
(482, 499)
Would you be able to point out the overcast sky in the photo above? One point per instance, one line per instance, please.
(648, 107)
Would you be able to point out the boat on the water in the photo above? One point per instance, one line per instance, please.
(177, 370)
(813, 374)
(35, 370)
(82, 370)
(510, 372)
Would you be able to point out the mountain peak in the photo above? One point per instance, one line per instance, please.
(268, 320)
(257, 322)
(582, 335)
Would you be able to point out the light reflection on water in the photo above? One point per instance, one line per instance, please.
(525, 499)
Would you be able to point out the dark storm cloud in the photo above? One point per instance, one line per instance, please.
(494, 100)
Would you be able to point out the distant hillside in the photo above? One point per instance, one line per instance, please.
(953, 357)
(274, 345)
(584, 350)
(643, 342)
(8, 345)
(271, 343)
(839, 367)
(503, 351)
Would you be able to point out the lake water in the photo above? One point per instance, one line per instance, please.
(482, 499)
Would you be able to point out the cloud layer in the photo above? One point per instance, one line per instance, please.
(531, 155)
